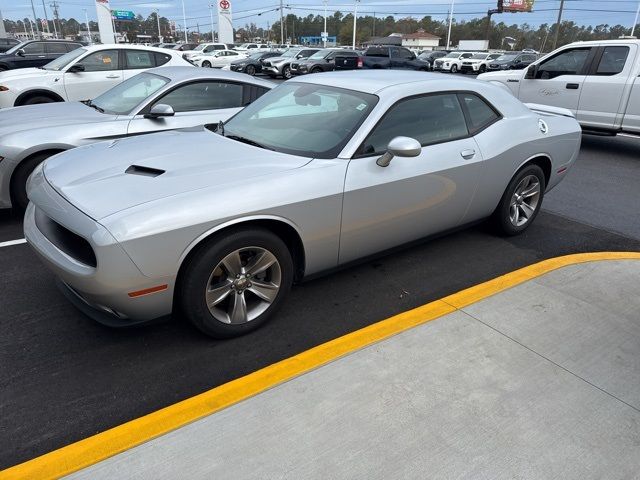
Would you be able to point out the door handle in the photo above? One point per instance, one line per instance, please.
(573, 86)
(468, 154)
(113, 76)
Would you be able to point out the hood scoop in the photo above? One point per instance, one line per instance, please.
(144, 171)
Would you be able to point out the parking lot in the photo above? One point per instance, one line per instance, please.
(64, 377)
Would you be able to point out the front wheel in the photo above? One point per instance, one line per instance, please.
(316, 70)
(454, 69)
(286, 72)
(235, 283)
(521, 201)
(482, 69)
(250, 70)
(206, 64)
(19, 199)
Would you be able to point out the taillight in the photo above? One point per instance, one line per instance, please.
(360, 63)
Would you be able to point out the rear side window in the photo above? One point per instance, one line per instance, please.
(137, 59)
(429, 119)
(377, 52)
(72, 46)
(204, 96)
(56, 48)
(161, 58)
(612, 61)
(479, 113)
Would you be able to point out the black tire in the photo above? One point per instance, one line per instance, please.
(201, 266)
(316, 70)
(482, 69)
(250, 70)
(206, 64)
(501, 216)
(37, 99)
(286, 72)
(19, 199)
(454, 68)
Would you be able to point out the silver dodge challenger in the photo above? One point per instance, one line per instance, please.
(159, 99)
(218, 222)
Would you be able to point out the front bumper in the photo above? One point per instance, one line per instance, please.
(102, 289)
(271, 70)
(469, 68)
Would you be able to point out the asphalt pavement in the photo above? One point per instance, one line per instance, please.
(64, 377)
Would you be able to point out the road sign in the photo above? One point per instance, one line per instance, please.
(224, 4)
(123, 15)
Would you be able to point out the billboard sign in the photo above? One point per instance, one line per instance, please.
(225, 22)
(517, 5)
(123, 15)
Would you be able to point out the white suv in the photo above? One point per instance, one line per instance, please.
(203, 48)
(478, 62)
(451, 62)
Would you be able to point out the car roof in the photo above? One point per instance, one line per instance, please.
(125, 46)
(374, 81)
(179, 74)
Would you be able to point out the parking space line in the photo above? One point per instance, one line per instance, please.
(13, 242)
(99, 447)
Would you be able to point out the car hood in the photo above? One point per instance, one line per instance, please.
(21, 74)
(108, 177)
(280, 59)
(48, 115)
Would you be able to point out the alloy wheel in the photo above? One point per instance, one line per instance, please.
(524, 201)
(243, 285)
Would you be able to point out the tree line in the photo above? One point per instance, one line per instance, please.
(341, 25)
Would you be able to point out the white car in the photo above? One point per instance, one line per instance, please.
(82, 74)
(203, 48)
(217, 59)
(478, 63)
(451, 62)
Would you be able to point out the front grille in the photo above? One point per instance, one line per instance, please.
(70, 243)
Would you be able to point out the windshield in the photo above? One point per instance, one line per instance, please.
(124, 97)
(16, 48)
(61, 62)
(200, 47)
(507, 56)
(256, 56)
(452, 55)
(478, 56)
(320, 54)
(314, 121)
(291, 52)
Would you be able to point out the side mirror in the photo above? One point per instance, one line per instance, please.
(400, 147)
(20, 52)
(76, 68)
(531, 72)
(298, 56)
(160, 110)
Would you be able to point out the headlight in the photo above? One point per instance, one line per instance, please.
(3, 88)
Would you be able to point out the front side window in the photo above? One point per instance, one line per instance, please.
(124, 97)
(569, 62)
(480, 114)
(35, 48)
(429, 119)
(314, 121)
(137, 59)
(102, 61)
(612, 61)
(204, 96)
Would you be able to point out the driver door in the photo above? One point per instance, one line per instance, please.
(558, 80)
(102, 71)
(413, 197)
(194, 104)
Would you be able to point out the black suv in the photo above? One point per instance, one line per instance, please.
(328, 60)
(7, 43)
(512, 61)
(430, 57)
(253, 63)
(381, 56)
(35, 53)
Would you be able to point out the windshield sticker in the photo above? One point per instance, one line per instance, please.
(362, 106)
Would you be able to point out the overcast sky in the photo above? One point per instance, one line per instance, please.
(587, 12)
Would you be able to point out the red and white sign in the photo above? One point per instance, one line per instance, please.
(225, 22)
(225, 4)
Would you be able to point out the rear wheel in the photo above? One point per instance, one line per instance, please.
(19, 199)
(206, 64)
(454, 68)
(286, 72)
(235, 283)
(521, 201)
(250, 70)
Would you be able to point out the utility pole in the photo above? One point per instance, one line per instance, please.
(184, 19)
(555, 40)
(373, 33)
(281, 26)
(324, 32)
(450, 22)
(86, 17)
(355, 16)
(56, 17)
(46, 17)
(35, 19)
(158, 19)
(211, 5)
(635, 22)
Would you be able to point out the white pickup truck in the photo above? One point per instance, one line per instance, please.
(598, 81)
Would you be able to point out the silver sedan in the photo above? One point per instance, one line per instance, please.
(160, 99)
(218, 222)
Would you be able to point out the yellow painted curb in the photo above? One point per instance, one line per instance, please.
(99, 447)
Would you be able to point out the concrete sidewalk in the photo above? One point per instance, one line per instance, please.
(539, 381)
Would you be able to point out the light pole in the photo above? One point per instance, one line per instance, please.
(281, 25)
(35, 19)
(211, 5)
(46, 17)
(450, 22)
(555, 40)
(324, 32)
(635, 22)
(158, 19)
(184, 20)
(355, 16)
(86, 17)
